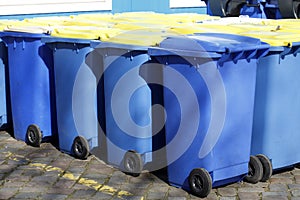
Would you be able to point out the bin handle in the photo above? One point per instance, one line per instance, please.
(261, 53)
(296, 50)
(286, 50)
(250, 54)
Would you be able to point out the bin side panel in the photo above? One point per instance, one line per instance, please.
(127, 106)
(29, 65)
(75, 96)
(276, 125)
(226, 131)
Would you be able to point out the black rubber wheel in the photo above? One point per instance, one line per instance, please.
(267, 167)
(33, 135)
(80, 148)
(133, 163)
(255, 172)
(200, 182)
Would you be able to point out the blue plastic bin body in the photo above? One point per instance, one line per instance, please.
(127, 103)
(30, 78)
(262, 9)
(252, 8)
(277, 103)
(76, 92)
(4, 95)
(209, 82)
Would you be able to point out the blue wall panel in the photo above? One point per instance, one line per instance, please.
(153, 5)
(126, 6)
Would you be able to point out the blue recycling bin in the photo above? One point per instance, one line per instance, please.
(261, 9)
(5, 121)
(30, 66)
(209, 87)
(76, 95)
(277, 105)
(252, 8)
(127, 107)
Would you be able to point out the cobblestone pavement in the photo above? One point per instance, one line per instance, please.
(46, 173)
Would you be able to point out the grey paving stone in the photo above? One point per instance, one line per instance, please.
(13, 184)
(259, 184)
(274, 194)
(296, 171)
(101, 196)
(45, 179)
(147, 178)
(227, 192)
(15, 174)
(60, 190)
(274, 198)
(65, 183)
(286, 180)
(176, 192)
(32, 172)
(117, 179)
(176, 198)
(6, 168)
(76, 170)
(228, 198)
(251, 189)
(94, 176)
(135, 197)
(293, 186)
(278, 187)
(36, 189)
(155, 196)
(6, 193)
(53, 196)
(297, 179)
(295, 193)
(157, 193)
(27, 195)
(83, 194)
(131, 188)
(248, 196)
(79, 186)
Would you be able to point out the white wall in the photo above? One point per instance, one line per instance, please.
(13, 7)
(186, 3)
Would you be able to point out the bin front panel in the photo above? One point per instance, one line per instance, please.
(277, 103)
(30, 71)
(76, 90)
(127, 104)
(219, 138)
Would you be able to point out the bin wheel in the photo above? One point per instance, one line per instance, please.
(133, 163)
(33, 135)
(267, 167)
(255, 172)
(80, 148)
(200, 182)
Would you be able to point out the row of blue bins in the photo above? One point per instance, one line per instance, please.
(190, 100)
(271, 9)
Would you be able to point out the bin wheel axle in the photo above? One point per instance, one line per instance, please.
(255, 172)
(200, 182)
(33, 135)
(80, 148)
(133, 163)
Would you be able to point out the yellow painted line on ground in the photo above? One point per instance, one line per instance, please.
(84, 181)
